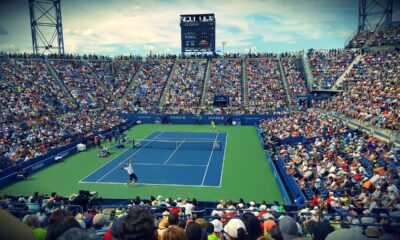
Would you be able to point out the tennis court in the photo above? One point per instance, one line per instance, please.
(169, 158)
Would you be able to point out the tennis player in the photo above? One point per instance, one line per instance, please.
(213, 127)
(132, 176)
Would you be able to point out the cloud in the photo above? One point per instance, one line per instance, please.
(78, 32)
(138, 26)
(9, 48)
(3, 31)
(279, 38)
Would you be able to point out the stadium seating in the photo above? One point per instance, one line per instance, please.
(266, 89)
(82, 83)
(295, 76)
(386, 37)
(347, 176)
(186, 88)
(371, 92)
(328, 65)
(124, 73)
(359, 40)
(146, 91)
(225, 79)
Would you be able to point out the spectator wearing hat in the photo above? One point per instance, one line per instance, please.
(268, 225)
(235, 229)
(99, 221)
(288, 227)
(218, 229)
(345, 234)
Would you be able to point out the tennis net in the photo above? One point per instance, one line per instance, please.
(178, 144)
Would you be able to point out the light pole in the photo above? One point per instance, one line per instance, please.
(223, 48)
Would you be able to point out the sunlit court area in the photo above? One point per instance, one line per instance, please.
(195, 120)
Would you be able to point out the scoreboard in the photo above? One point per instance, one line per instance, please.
(197, 33)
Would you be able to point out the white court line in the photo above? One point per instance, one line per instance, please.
(173, 165)
(209, 160)
(109, 161)
(165, 163)
(152, 184)
(133, 154)
(223, 160)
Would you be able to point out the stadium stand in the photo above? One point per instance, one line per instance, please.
(359, 39)
(309, 125)
(295, 76)
(386, 37)
(348, 178)
(82, 83)
(328, 65)
(124, 73)
(266, 89)
(145, 94)
(371, 91)
(185, 90)
(225, 79)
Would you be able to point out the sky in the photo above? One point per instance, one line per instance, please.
(113, 27)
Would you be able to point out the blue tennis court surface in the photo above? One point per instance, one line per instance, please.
(172, 158)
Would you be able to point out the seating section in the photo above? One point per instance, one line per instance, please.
(347, 176)
(328, 65)
(225, 79)
(38, 115)
(359, 40)
(147, 89)
(186, 88)
(371, 92)
(309, 125)
(82, 82)
(124, 72)
(266, 90)
(386, 37)
(345, 168)
(295, 76)
(29, 92)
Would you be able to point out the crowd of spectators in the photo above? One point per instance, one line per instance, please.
(352, 174)
(28, 91)
(301, 124)
(25, 140)
(45, 217)
(265, 86)
(328, 65)
(146, 91)
(103, 70)
(360, 39)
(124, 71)
(297, 84)
(82, 83)
(37, 115)
(386, 37)
(186, 87)
(371, 91)
(225, 79)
